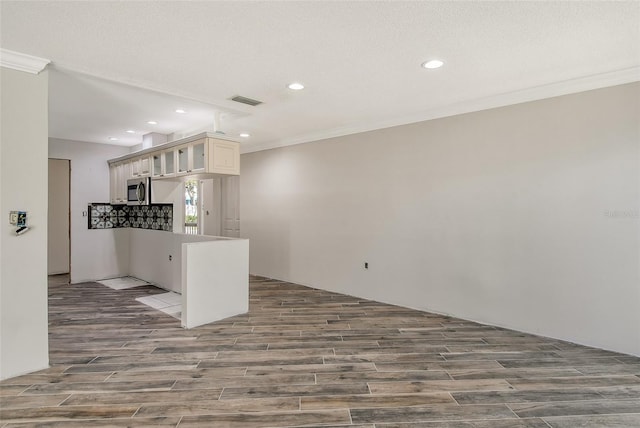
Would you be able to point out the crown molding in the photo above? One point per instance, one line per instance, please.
(22, 62)
(571, 86)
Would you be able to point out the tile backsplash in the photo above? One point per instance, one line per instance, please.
(107, 216)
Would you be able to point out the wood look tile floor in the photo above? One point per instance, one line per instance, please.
(306, 357)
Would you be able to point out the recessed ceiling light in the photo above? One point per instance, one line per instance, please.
(296, 86)
(113, 139)
(130, 131)
(179, 110)
(245, 135)
(152, 122)
(434, 63)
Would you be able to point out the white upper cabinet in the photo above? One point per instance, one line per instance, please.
(169, 162)
(209, 156)
(126, 170)
(113, 184)
(182, 153)
(191, 157)
(118, 182)
(141, 167)
(163, 164)
(200, 154)
(156, 165)
(224, 157)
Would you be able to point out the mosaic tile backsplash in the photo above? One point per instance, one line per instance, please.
(107, 216)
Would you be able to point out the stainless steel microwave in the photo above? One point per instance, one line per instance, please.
(139, 191)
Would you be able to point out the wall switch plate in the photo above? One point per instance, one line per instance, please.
(13, 218)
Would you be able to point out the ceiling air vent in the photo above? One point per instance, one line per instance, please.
(245, 100)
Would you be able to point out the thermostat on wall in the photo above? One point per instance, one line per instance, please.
(22, 219)
(18, 218)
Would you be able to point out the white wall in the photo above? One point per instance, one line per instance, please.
(95, 254)
(23, 259)
(524, 216)
(150, 251)
(170, 192)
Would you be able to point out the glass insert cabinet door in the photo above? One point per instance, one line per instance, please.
(198, 156)
(183, 159)
(191, 158)
(163, 164)
(169, 165)
(157, 165)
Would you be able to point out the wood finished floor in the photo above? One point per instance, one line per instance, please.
(305, 357)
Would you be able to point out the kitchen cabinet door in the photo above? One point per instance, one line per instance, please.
(135, 168)
(121, 184)
(169, 163)
(145, 166)
(156, 165)
(224, 157)
(192, 157)
(183, 159)
(118, 183)
(198, 156)
(163, 165)
(127, 171)
(112, 184)
(140, 167)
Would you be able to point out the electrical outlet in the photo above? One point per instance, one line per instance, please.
(13, 217)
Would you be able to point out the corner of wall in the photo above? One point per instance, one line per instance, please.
(23, 182)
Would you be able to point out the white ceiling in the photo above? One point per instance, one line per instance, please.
(117, 64)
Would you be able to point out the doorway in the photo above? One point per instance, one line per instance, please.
(192, 209)
(211, 206)
(58, 230)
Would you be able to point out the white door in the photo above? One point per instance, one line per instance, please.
(231, 206)
(58, 244)
(210, 215)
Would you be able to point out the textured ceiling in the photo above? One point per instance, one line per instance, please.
(360, 61)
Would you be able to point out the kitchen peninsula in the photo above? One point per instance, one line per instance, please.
(210, 272)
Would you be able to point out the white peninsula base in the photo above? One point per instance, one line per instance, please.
(215, 280)
(211, 272)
